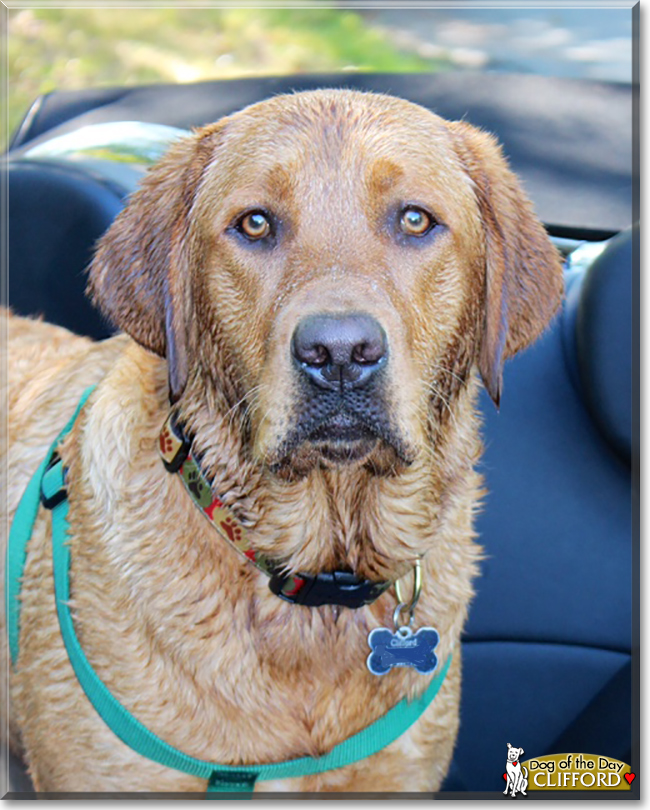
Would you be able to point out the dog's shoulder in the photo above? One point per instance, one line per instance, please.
(51, 364)
(48, 369)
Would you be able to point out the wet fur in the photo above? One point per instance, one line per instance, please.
(183, 631)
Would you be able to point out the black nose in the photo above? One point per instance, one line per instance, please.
(333, 350)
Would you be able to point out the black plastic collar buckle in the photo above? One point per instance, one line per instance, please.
(52, 499)
(330, 588)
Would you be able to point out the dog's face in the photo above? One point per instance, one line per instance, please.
(514, 753)
(334, 264)
(344, 266)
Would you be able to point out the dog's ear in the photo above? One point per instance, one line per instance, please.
(139, 277)
(523, 274)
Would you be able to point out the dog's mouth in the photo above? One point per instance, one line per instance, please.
(341, 437)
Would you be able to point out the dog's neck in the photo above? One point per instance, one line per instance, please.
(331, 518)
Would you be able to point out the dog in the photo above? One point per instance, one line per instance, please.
(516, 776)
(315, 286)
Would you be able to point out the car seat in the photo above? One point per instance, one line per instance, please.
(546, 653)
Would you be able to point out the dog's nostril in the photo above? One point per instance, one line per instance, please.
(339, 348)
(314, 355)
(367, 353)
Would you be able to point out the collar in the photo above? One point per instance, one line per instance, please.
(328, 588)
(47, 487)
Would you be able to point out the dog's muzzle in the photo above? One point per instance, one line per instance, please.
(341, 412)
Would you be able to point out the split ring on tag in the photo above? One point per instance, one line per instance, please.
(408, 606)
(396, 613)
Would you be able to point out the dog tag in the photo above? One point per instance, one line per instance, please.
(403, 648)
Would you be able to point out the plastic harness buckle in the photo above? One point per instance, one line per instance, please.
(53, 489)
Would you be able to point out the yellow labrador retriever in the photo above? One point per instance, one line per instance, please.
(312, 288)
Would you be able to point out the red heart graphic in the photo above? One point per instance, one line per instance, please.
(630, 777)
(505, 776)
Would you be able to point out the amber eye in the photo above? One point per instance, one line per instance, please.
(415, 222)
(255, 225)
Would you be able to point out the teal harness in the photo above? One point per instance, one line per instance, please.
(48, 487)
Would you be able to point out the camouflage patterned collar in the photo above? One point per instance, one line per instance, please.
(329, 588)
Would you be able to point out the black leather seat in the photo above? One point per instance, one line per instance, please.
(603, 342)
(56, 213)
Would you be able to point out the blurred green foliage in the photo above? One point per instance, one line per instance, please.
(71, 48)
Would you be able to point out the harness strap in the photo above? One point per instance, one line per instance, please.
(20, 532)
(221, 778)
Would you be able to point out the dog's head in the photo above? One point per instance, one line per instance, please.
(330, 265)
(514, 753)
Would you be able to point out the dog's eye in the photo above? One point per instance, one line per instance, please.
(254, 225)
(415, 222)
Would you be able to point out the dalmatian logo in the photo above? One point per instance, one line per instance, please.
(516, 775)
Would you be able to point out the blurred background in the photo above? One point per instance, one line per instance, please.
(73, 48)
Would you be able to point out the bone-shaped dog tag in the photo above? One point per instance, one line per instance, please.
(403, 648)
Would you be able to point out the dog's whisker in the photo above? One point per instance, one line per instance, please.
(250, 398)
(246, 396)
(442, 398)
(437, 369)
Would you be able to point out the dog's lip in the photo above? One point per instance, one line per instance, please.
(342, 436)
(342, 439)
(341, 427)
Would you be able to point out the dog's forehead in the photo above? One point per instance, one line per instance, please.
(335, 111)
(335, 131)
(336, 149)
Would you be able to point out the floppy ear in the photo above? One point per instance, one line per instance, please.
(523, 274)
(139, 277)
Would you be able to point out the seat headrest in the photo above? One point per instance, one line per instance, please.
(598, 312)
(56, 213)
